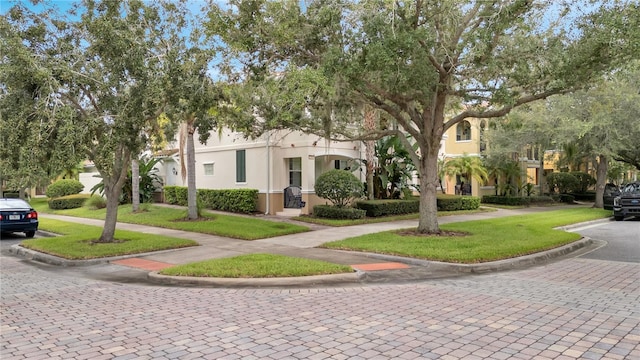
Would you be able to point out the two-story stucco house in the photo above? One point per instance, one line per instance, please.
(270, 164)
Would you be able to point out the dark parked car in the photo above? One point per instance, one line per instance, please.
(16, 215)
(628, 202)
(610, 193)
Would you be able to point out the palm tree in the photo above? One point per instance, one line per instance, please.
(467, 167)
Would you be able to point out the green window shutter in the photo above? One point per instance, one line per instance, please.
(241, 166)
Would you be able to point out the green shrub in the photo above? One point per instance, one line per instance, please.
(232, 200)
(588, 196)
(9, 195)
(336, 212)
(455, 203)
(170, 195)
(375, 208)
(564, 198)
(68, 202)
(516, 200)
(541, 199)
(562, 182)
(96, 202)
(506, 200)
(338, 186)
(585, 181)
(64, 187)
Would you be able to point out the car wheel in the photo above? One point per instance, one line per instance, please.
(619, 217)
(29, 234)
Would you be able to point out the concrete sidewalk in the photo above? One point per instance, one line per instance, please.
(304, 245)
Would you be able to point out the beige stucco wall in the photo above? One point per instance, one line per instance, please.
(267, 167)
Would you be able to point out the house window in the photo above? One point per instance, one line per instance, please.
(241, 166)
(340, 164)
(295, 172)
(463, 131)
(208, 169)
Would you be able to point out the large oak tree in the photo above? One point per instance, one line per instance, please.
(104, 65)
(428, 64)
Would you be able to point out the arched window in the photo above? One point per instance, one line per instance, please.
(463, 131)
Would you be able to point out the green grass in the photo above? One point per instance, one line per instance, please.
(238, 227)
(76, 241)
(373, 220)
(257, 266)
(487, 240)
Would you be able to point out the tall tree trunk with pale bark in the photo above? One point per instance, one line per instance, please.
(135, 185)
(369, 145)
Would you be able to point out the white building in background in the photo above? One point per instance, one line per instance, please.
(270, 164)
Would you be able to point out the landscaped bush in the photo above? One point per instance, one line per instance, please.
(541, 199)
(517, 200)
(9, 194)
(375, 208)
(68, 202)
(588, 196)
(506, 200)
(232, 200)
(235, 200)
(455, 203)
(564, 198)
(338, 186)
(96, 202)
(64, 187)
(170, 194)
(335, 212)
(585, 181)
(562, 182)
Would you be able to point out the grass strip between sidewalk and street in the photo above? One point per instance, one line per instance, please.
(237, 227)
(257, 266)
(484, 240)
(76, 241)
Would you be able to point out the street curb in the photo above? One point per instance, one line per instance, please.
(58, 261)
(354, 277)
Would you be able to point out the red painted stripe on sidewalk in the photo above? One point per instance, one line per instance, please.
(143, 264)
(380, 266)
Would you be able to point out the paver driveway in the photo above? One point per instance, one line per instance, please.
(571, 309)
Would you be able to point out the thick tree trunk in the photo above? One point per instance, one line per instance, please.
(601, 179)
(428, 222)
(113, 182)
(192, 196)
(369, 145)
(135, 185)
(111, 218)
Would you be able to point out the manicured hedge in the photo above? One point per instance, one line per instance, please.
(564, 198)
(516, 200)
(232, 200)
(454, 203)
(588, 196)
(375, 208)
(68, 202)
(334, 212)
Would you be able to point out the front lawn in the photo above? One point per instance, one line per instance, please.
(485, 240)
(76, 241)
(238, 227)
(257, 266)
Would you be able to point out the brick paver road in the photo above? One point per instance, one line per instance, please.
(571, 309)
